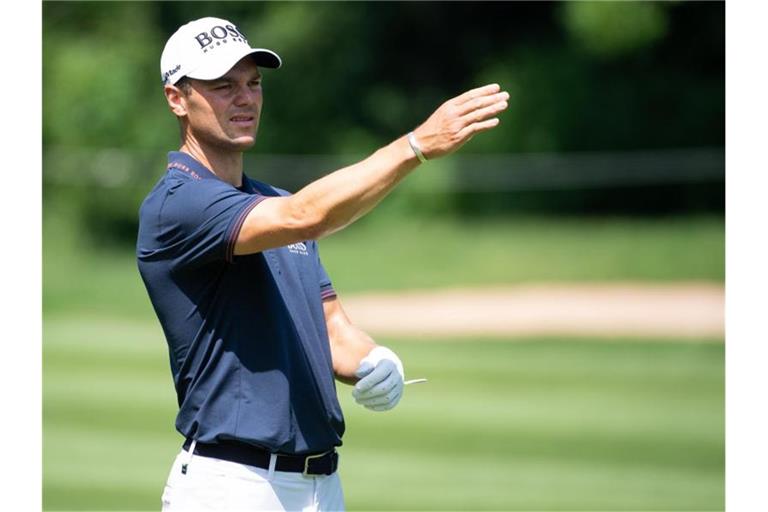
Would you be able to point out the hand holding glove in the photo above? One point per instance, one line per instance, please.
(381, 380)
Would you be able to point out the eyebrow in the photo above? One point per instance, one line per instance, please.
(227, 79)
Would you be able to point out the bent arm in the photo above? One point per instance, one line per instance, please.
(348, 343)
(338, 199)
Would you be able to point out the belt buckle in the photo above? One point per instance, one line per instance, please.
(310, 457)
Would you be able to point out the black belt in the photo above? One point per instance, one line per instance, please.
(313, 464)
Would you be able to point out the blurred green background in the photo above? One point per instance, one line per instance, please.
(607, 167)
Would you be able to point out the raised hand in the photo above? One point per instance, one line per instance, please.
(457, 120)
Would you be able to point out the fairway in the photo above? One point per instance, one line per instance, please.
(525, 202)
(503, 424)
(427, 255)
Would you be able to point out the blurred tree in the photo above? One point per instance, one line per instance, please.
(583, 76)
(611, 29)
(358, 74)
(101, 78)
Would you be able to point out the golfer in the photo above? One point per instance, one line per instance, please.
(256, 333)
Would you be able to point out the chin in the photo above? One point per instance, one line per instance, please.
(243, 143)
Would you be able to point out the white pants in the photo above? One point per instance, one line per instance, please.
(215, 484)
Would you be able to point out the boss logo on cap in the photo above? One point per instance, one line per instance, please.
(219, 34)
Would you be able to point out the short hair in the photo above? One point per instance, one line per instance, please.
(185, 85)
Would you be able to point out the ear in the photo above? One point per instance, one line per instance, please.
(177, 102)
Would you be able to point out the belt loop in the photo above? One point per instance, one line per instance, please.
(272, 464)
(185, 466)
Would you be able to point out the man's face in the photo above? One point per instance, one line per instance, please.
(224, 112)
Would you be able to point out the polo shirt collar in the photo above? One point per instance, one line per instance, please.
(187, 163)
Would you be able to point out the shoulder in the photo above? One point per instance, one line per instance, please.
(266, 189)
(182, 199)
(176, 181)
(189, 192)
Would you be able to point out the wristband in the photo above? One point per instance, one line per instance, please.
(415, 147)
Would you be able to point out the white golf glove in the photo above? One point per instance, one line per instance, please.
(381, 380)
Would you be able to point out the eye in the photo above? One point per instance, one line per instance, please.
(222, 87)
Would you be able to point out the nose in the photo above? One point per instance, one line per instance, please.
(247, 96)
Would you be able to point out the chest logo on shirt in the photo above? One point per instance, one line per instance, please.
(298, 248)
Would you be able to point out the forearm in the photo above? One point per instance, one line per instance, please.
(349, 344)
(338, 199)
(376, 371)
(349, 347)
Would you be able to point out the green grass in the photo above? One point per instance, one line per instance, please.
(546, 424)
(426, 254)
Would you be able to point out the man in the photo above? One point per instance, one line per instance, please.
(256, 333)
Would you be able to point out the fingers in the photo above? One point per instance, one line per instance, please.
(364, 369)
(481, 114)
(482, 102)
(381, 389)
(468, 131)
(476, 121)
(390, 382)
(387, 398)
(383, 403)
(477, 93)
(383, 407)
(477, 112)
(379, 374)
(458, 119)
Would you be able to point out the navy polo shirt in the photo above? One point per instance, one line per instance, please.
(247, 339)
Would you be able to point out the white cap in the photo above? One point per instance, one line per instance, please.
(206, 49)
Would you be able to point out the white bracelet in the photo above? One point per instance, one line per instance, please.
(415, 147)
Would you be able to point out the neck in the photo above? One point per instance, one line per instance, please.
(227, 165)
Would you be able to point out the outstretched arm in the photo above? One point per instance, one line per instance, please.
(338, 199)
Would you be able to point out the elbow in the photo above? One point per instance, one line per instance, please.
(309, 223)
(313, 231)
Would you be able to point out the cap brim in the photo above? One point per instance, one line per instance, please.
(266, 58)
(218, 67)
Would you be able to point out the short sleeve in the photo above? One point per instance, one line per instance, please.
(200, 221)
(326, 286)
